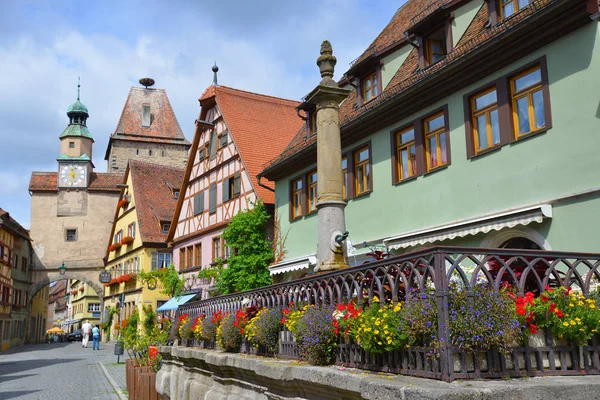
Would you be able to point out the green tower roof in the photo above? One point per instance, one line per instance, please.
(64, 157)
(77, 131)
(77, 107)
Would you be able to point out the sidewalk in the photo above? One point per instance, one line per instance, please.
(115, 372)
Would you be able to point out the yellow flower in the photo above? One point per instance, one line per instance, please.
(580, 303)
(386, 332)
(385, 327)
(565, 323)
(397, 307)
(571, 304)
(389, 341)
(572, 322)
(379, 343)
(592, 306)
(376, 332)
(375, 299)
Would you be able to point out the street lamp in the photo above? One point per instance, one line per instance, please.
(62, 269)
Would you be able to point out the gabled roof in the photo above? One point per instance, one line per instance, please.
(476, 38)
(164, 127)
(154, 200)
(260, 126)
(9, 223)
(99, 182)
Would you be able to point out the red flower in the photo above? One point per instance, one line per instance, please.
(532, 328)
(568, 291)
(521, 310)
(552, 307)
(529, 318)
(285, 311)
(152, 351)
(283, 320)
(544, 299)
(511, 295)
(548, 288)
(290, 304)
(559, 314)
(340, 307)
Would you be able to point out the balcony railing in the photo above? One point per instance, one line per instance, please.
(435, 269)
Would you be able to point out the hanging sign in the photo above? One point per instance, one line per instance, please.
(105, 277)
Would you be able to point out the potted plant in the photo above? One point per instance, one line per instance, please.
(127, 240)
(124, 202)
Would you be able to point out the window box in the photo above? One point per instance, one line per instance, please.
(114, 247)
(124, 202)
(81, 289)
(127, 240)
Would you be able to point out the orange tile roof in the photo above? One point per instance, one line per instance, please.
(408, 75)
(261, 126)
(164, 127)
(154, 200)
(48, 182)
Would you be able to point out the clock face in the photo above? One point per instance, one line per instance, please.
(72, 175)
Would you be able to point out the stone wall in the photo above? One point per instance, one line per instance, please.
(189, 373)
(165, 154)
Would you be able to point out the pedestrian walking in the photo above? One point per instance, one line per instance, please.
(96, 338)
(86, 329)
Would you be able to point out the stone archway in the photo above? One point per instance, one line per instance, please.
(45, 278)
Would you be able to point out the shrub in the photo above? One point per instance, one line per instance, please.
(209, 330)
(419, 319)
(379, 329)
(344, 318)
(488, 320)
(315, 334)
(264, 329)
(197, 327)
(228, 335)
(185, 330)
(183, 319)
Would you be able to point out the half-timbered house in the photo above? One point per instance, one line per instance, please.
(220, 179)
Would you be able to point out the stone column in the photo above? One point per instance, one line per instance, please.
(331, 251)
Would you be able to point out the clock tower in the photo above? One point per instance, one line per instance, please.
(75, 160)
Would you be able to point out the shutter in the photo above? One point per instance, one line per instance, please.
(133, 230)
(213, 198)
(213, 144)
(154, 261)
(226, 190)
(237, 184)
(201, 154)
(198, 203)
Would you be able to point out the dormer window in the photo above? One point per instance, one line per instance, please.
(165, 226)
(370, 86)
(510, 7)
(146, 119)
(175, 194)
(435, 47)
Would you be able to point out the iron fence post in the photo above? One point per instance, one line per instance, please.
(441, 293)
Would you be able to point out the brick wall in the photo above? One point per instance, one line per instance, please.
(165, 154)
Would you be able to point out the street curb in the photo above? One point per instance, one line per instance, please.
(113, 383)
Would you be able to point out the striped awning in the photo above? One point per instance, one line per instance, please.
(293, 265)
(175, 302)
(464, 228)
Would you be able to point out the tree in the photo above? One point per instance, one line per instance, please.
(247, 267)
(168, 278)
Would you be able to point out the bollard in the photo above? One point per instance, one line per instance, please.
(119, 349)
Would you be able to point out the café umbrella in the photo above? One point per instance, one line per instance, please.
(55, 330)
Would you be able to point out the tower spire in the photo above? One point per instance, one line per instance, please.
(78, 86)
(215, 69)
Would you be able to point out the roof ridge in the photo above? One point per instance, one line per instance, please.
(266, 97)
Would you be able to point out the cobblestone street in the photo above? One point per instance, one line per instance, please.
(61, 371)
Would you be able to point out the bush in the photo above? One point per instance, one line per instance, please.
(419, 320)
(228, 335)
(489, 320)
(264, 329)
(315, 334)
(209, 330)
(379, 329)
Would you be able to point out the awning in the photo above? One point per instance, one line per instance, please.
(293, 265)
(508, 219)
(175, 302)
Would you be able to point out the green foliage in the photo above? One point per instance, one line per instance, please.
(168, 279)
(247, 267)
(150, 319)
(228, 335)
(108, 325)
(129, 333)
(379, 329)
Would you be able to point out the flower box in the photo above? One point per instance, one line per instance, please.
(113, 281)
(114, 246)
(123, 203)
(81, 289)
(124, 278)
(127, 240)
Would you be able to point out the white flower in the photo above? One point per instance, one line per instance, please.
(245, 301)
(338, 314)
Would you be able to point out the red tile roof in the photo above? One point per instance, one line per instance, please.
(476, 35)
(164, 127)
(261, 126)
(154, 199)
(48, 182)
(9, 223)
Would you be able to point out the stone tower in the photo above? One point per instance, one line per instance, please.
(147, 130)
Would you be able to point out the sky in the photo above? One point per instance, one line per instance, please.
(264, 46)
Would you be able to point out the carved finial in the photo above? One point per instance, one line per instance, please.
(215, 69)
(326, 63)
(78, 86)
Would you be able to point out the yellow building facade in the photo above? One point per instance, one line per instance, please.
(85, 305)
(138, 238)
(39, 313)
(7, 240)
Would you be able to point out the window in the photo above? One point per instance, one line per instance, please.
(198, 254)
(510, 7)
(297, 210)
(165, 226)
(370, 86)
(226, 250)
(362, 168)
(212, 198)
(16, 261)
(182, 259)
(312, 191)
(137, 152)
(345, 178)
(146, 116)
(198, 203)
(435, 141)
(528, 102)
(149, 152)
(203, 152)
(216, 248)
(189, 255)
(118, 236)
(486, 125)
(71, 145)
(231, 187)
(94, 307)
(71, 235)
(175, 194)
(131, 230)
(23, 264)
(160, 260)
(407, 153)
(136, 265)
(212, 150)
(223, 140)
(435, 46)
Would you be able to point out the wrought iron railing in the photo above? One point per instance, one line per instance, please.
(433, 270)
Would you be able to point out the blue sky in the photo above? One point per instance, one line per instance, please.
(262, 46)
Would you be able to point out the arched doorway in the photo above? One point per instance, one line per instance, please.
(520, 243)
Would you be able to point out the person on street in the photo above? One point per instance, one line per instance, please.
(86, 329)
(96, 338)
